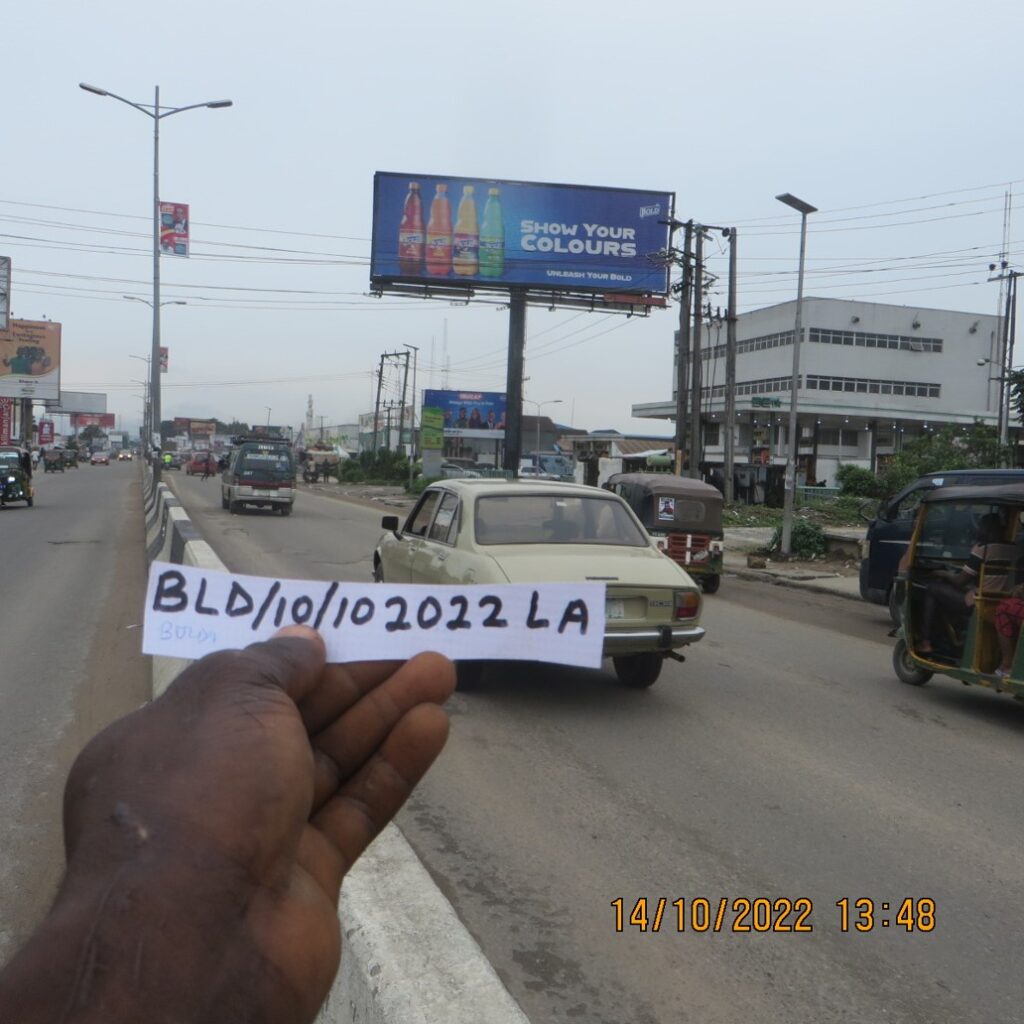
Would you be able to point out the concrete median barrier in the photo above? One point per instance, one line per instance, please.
(407, 959)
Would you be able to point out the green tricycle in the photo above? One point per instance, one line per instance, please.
(15, 480)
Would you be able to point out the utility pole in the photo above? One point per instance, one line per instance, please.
(683, 349)
(401, 408)
(730, 374)
(413, 446)
(514, 381)
(695, 381)
(376, 406)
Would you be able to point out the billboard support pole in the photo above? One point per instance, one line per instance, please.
(730, 375)
(695, 377)
(514, 380)
(401, 411)
(683, 351)
(376, 404)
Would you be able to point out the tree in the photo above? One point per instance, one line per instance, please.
(91, 433)
(948, 448)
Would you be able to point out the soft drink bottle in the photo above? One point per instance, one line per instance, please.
(439, 233)
(492, 237)
(410, 233)
(466, 240)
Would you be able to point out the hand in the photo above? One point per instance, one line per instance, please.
(207, 835)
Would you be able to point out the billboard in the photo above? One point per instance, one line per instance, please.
(92, 419)
(431, 430)
(5, 291)
(30, 359)
(202, 428)
(163, 358)
(46, 431)
(77, 401)
(174, 229)
(479, 414)
(429, 229)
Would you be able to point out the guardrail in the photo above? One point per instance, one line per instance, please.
(406, 958)
(805, 494)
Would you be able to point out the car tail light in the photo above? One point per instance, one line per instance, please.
(687, 604)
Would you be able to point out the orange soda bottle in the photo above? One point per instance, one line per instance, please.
(466, 240)
(410, 233)
(439, 234)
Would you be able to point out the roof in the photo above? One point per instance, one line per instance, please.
(669, 483)
(482, 486)
(993, 494)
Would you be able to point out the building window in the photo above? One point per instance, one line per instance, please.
(860, 385)
(712, 433)
(900, 342)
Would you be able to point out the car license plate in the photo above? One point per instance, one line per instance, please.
(615, 609)
(262, 493)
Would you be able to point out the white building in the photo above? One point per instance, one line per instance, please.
(872, 377)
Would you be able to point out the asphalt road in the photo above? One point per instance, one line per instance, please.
(72, 585)
(782, 761)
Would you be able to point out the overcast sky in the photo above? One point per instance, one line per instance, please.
(899, 120)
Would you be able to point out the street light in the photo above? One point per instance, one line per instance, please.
(550, 401)
(146, 423)
(267, 407)
(794, 439)
(157, 113)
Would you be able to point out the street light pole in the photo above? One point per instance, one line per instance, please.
(146, 420)
(794, 438)
(414, 447)
(157, 115)
(539, 405)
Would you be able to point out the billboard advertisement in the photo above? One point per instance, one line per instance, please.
(174, 229)
(46, 431)
(163, 358)
(431, 430)
(202, 428)
(92, 419)
(479, 414)
(429, 229)
(5, 291)
(30, 359)
(78, 401)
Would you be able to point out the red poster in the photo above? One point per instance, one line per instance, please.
(6, 419)
(46, 431)
(163, 358)
(174, 229)
(92, 419)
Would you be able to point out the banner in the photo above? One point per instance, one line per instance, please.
(5, 292)
(30, 360)
(46, 432)
(163, 358)
(92, 419)
(6, 420)
(174, 229)
(479, 414)
(431, 430)
(466, 231)
(202, 428)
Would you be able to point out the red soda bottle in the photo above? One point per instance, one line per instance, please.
(410, 233)
(439, 234)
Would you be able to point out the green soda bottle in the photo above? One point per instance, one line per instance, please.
(492, 237)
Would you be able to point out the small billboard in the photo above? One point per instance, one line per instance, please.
(174, 229)
(429, 229)
(77, 401)
(46, 431)
(30, 359)
(92, 419)
(163, 358)
(5, 292)
(202, 428)
(6, 420)
(477, 414)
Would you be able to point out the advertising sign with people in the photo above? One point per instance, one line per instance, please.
(30, 360)
(479, 414)
(518, 233)
(174, 229)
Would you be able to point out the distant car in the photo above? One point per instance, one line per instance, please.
(175, 461)
(453, 471)
(202, 462)
(124, 455)
(99, 459)
(499, 531)
(260, 472)
(533, 473)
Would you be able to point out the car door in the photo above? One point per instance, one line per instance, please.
(429, 561)
(399, 557)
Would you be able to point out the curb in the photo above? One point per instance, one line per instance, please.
(782, 581)
(407, 958)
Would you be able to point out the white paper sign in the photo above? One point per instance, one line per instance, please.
(191, 612)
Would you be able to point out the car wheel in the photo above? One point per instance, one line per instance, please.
(710, 584)
(638, 671)
(896, 602)
(286, 510)
(234, 507)
(468, 674)
(378, 572)
(223, 500)
(30, 502)
(907, 670)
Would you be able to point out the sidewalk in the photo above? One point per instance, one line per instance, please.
(818, 577)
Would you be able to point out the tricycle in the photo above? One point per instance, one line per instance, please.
(53, 461)
(961, 590)
(15, 477)
(684, 517)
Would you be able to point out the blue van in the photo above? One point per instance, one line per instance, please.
(890, 529)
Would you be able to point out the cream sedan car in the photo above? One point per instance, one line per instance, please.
(497, 531)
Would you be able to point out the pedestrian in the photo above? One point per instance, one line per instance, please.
(208, 832)
(207, 470)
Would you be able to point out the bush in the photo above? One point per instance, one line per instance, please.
(858, 482)
(806, 541)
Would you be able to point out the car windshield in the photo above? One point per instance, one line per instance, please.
(554, 519)
(265, 463)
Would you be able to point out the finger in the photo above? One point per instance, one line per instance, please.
(345, 745)
(292, 660)
(340, 687)
(355, 815)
